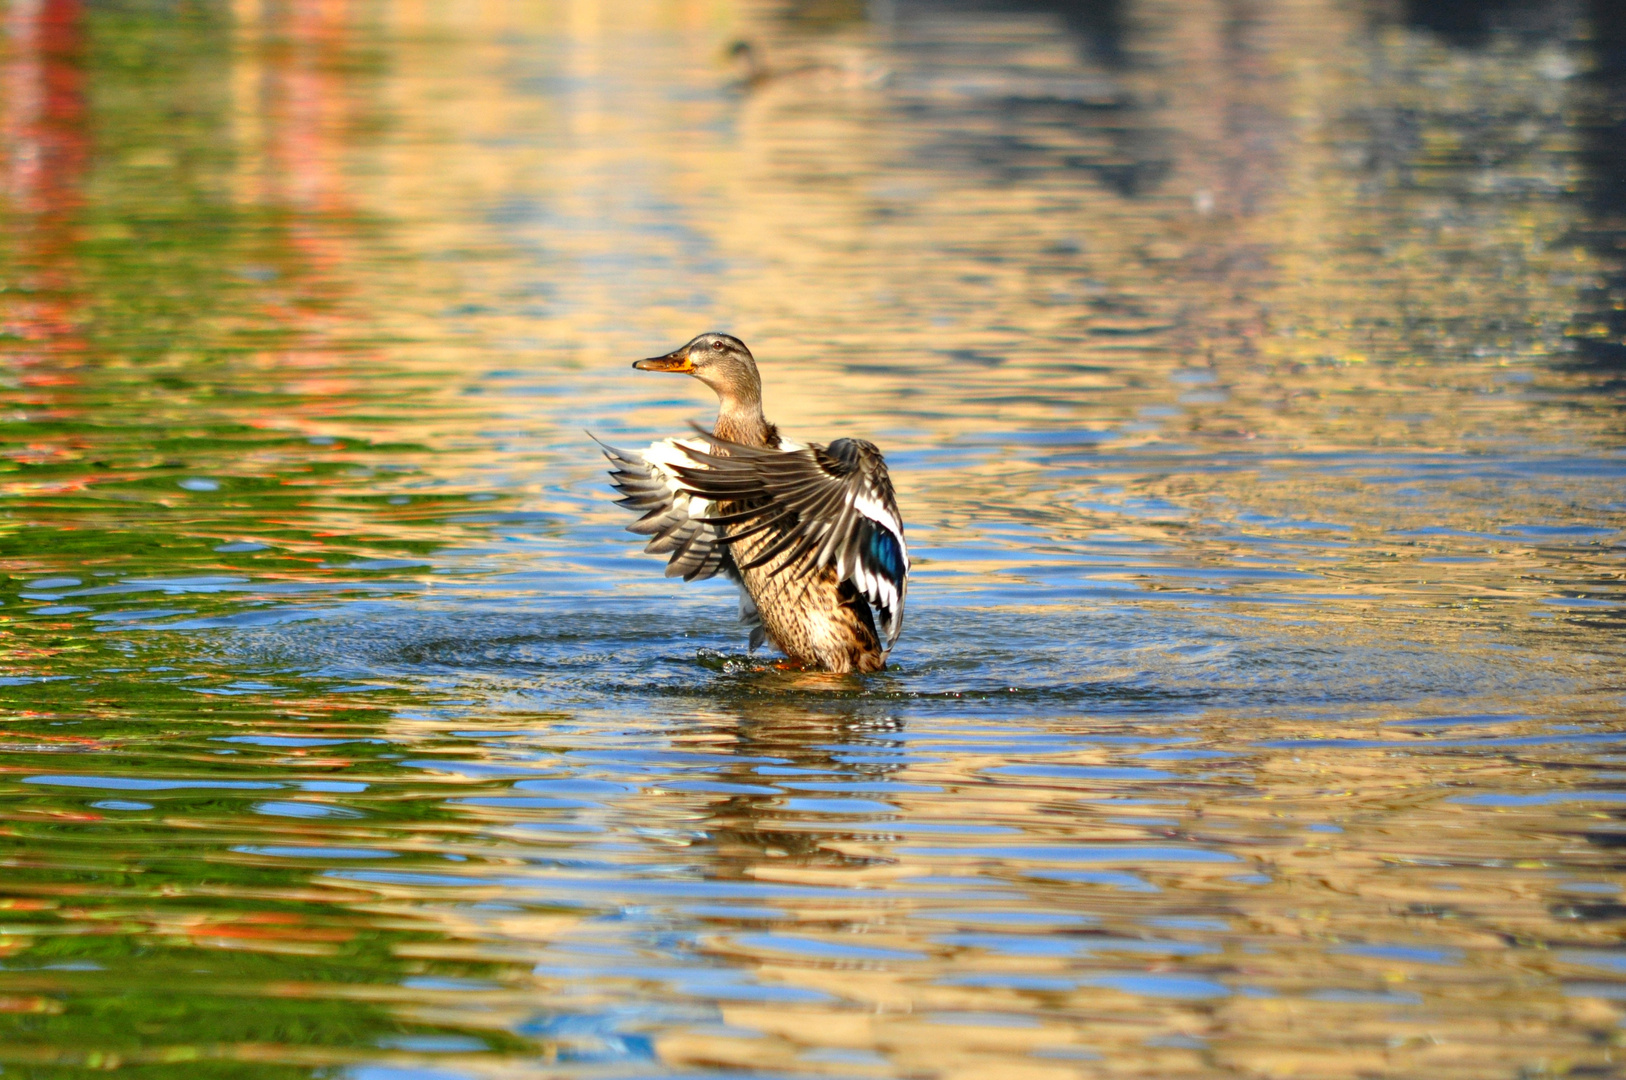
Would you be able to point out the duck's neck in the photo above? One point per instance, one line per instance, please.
(740, 420)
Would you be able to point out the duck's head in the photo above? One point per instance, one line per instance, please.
(720, 361)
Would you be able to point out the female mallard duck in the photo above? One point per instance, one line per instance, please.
(810, 534)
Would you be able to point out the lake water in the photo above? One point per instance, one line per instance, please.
(1252, 376)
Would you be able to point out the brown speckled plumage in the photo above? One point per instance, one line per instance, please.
(806, 612)
(813, 619)
(822, 523)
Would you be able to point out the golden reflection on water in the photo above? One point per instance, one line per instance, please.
(1257, 710)
(1288, 286)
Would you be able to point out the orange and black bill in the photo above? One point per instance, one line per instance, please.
(676, 360)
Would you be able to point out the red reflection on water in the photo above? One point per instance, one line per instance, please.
(46, 150)
(306, 116)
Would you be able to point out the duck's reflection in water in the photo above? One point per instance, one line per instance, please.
(799, 779)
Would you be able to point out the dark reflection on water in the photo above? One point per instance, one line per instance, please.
(1250, 374)
(1602, 340)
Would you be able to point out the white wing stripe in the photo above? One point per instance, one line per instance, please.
(872, 509)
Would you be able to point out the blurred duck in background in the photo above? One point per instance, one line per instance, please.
(753, 72)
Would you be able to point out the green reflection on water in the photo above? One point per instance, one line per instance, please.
(153, 417)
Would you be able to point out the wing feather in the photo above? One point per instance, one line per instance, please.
(672, 518)
(675, 519)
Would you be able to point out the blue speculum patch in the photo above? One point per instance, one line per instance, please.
(884, 552)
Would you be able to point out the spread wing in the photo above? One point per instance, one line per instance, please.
(820, 506)
(672, 518)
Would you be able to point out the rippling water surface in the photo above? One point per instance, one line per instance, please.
(1251, 375)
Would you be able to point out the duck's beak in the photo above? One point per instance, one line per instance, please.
(676, 360)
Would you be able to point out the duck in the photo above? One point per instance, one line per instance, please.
(810, 534)
(755, 73)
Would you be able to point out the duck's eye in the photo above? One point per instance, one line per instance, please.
(719, 346)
